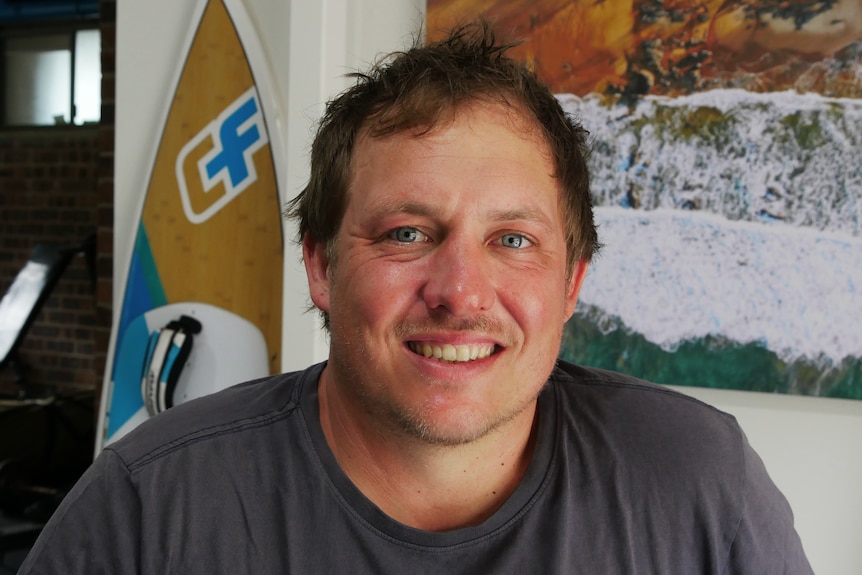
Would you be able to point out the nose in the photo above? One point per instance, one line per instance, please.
(458, 279)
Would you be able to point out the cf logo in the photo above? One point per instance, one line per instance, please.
(221, 152)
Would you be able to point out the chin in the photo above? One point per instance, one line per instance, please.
(457, 427)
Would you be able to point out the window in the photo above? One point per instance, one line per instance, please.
(52, 78)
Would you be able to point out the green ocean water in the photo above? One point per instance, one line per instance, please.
(711, 361)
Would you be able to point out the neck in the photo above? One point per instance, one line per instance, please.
(422, 485)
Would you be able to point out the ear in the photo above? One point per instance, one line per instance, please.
(317, 271)
(574, 287)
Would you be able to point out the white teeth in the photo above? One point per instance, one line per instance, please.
(449, 353)
(452, 353)
(463, 353)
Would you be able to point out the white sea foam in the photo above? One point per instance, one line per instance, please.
(795, 158)
(674, 275)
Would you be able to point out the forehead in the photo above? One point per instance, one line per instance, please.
(479, 114)
(486, 145)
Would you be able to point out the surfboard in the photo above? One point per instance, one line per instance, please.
(209, 240)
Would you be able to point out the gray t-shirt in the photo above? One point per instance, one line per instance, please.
(626, 477)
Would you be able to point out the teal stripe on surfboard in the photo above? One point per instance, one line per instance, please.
(128, 369)
(144, 292)
(144, 289)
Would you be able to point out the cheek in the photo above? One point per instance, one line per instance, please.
(538, 306)
(397, 279)
(374, 292)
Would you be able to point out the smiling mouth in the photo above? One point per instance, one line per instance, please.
(452, 353)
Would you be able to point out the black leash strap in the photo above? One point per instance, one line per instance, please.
(167, 352)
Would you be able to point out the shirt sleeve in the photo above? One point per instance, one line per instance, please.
(96, 529)
(766, 542)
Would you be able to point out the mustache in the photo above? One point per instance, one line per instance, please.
(480, 324)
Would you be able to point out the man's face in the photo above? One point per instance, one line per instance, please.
(448, 291)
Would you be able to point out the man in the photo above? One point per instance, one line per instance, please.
(446, 231)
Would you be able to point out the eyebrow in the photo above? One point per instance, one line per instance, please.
(521, 214)
(426, 210)
(405, 207)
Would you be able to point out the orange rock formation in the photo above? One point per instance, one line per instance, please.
(637, 47)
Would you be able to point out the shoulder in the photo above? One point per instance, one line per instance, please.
(675, 467)
(235, 411)
(653, 423)
(620, 392)
(602, 379)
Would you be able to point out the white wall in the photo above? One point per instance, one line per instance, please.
(812, 447)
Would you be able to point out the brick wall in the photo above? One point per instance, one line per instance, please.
(105, 192)
(48, 195)
(57, 186)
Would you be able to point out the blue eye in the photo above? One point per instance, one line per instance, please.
(407, 235)
(514, 241)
